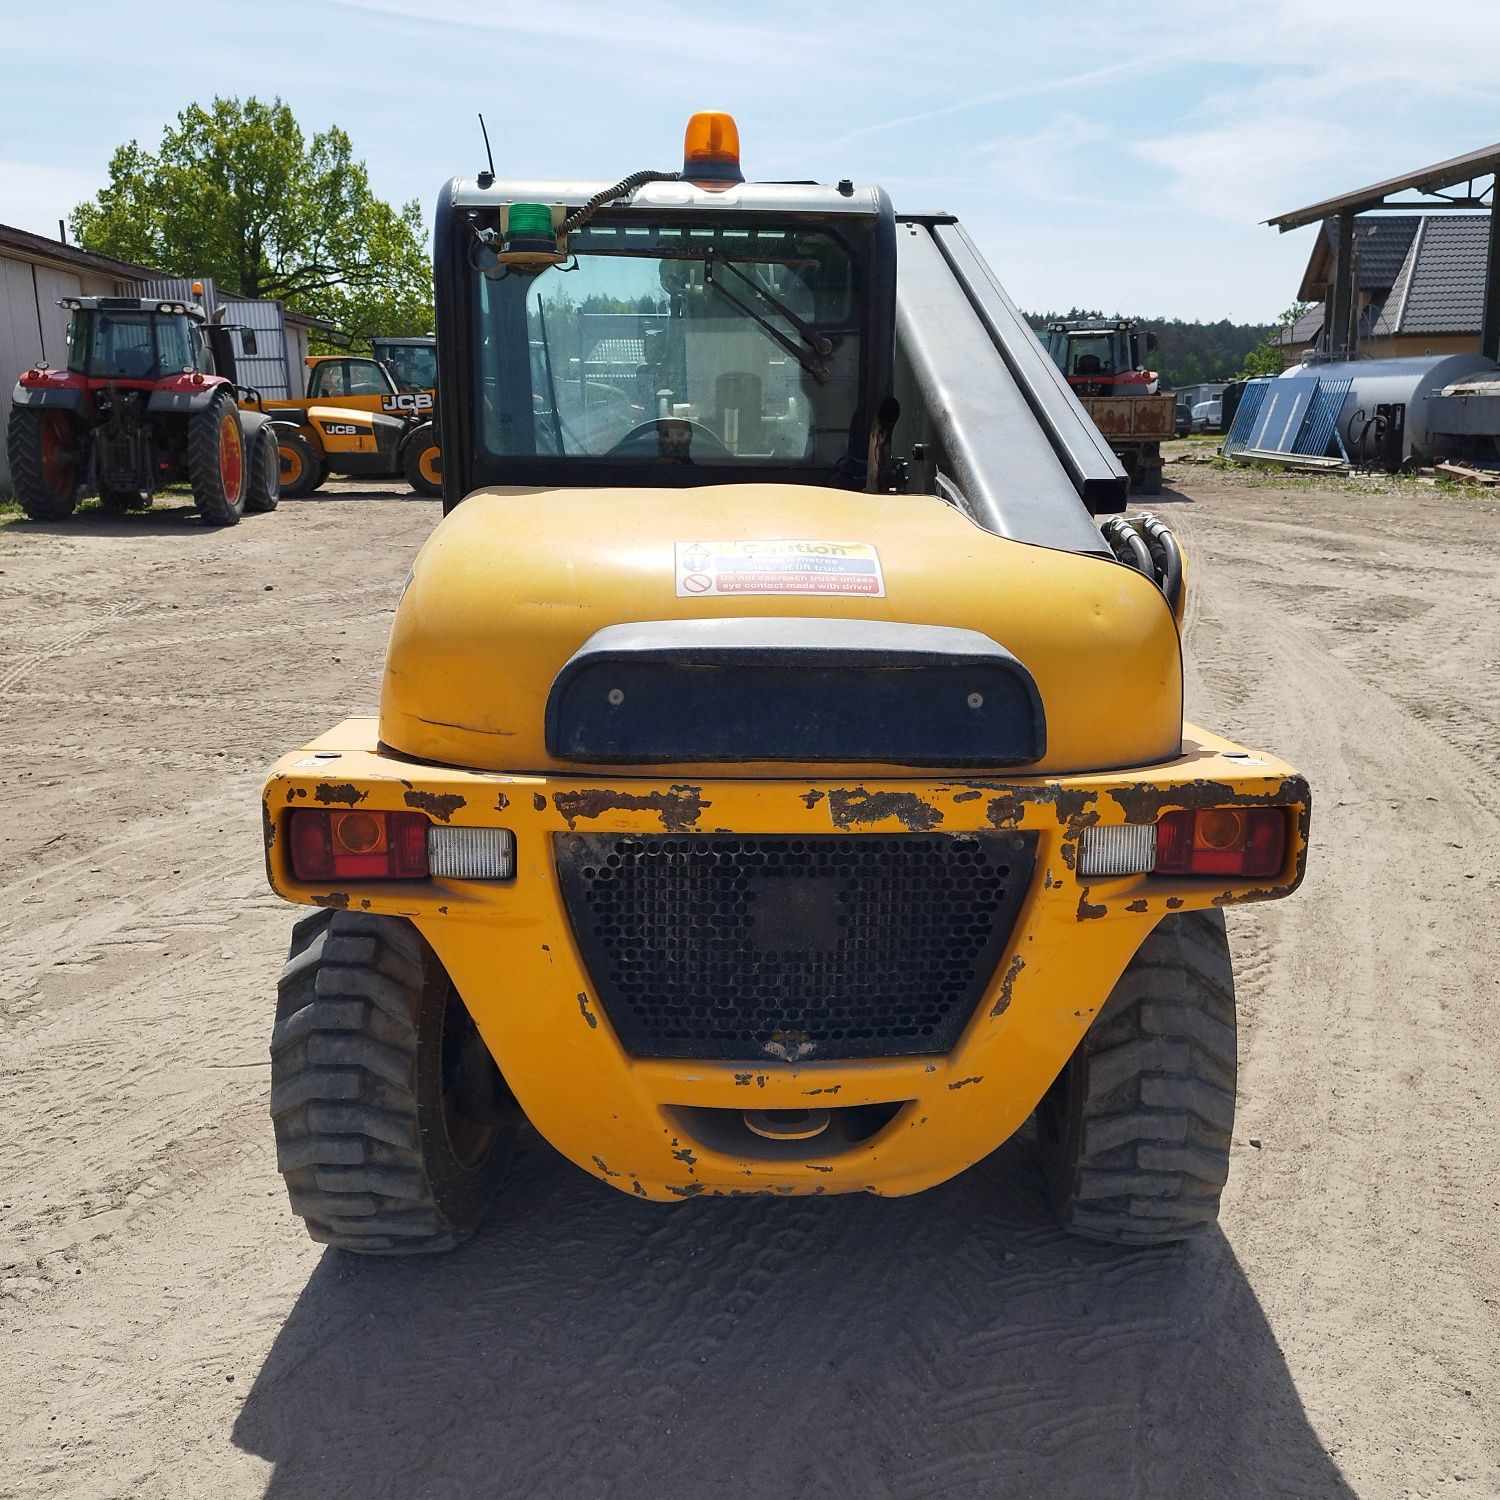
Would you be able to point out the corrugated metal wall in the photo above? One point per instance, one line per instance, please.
(33, 326)
(270, 369)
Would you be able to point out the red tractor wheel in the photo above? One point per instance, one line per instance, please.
(217, 464)
(43, 449)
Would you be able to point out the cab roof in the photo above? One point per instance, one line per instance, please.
(133, 304)
(815, 198)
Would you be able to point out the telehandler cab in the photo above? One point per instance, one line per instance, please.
(780, 783)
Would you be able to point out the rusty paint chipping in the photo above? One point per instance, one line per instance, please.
(342, 792)
(1173, 902)
(679, 807)
(599, 1162)
(831, 1088)
(439, 805)
(970, 796)
(813, 1166)
(1087, 910)
(963, 1083)
(811, 798)
(851, 805)
(636, 1188)
(741, 1079)
(690, 1191)
(339, 900)
(1002, 1000)
(686, 1155)
(501, 802)
(588, 1015)
(1139, 905)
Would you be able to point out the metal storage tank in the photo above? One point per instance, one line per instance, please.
(1411, 380)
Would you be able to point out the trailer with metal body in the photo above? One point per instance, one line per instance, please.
(783, 791)
(1102, 359)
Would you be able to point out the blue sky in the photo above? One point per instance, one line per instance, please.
(1108, 154)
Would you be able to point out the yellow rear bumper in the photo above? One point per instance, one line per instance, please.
(636, 1122)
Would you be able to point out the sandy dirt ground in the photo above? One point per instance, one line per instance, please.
(167, 1329)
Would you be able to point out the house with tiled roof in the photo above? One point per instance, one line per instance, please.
(1419, 284)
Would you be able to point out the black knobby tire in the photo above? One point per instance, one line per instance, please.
(394, 1129)
(417, 463)
(1135, 1133)
(300, 467)
(217, 461)
(264, 483)
(41, 447)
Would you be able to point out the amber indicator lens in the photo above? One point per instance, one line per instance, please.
(1236, 841)
(358, 845)
(358, 832)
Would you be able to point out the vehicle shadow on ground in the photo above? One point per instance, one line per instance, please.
(177, 520)
(585, 1344)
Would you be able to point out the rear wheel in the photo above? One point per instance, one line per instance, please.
(265, 471)
(216, 461)
(394, 1128)
(1135, 1132)
(43, 448)
(301, 467)
(422, 461)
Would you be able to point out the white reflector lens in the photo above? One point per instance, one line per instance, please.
(1129, 849)
(472, 853)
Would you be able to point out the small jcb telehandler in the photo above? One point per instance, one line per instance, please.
(356, 419)
(780, 783)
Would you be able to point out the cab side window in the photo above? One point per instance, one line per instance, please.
(328, 379)
(366, 378)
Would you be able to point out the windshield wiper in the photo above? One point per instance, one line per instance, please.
(821, 345)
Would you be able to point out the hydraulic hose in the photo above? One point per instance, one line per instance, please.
(1128, 547)
(1166, 554)
(621, 189)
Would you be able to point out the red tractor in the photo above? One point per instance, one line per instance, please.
(148, 398)
(1102, 360)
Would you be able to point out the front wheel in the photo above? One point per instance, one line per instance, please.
(301, 467)
(43, 447)
(216, 461)
(394, 1128)
(422, 461)
(264, 490)
(1135, 1132)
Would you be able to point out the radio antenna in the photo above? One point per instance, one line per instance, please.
(486, 178)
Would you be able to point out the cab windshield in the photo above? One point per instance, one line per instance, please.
(412, 366)
(130, 345)
(663, 343)
(1083, 354)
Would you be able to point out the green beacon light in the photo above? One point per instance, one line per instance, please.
(528, 238)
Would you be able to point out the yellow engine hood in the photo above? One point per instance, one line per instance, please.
(513, 582)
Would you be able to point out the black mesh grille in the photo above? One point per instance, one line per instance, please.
(865, 945)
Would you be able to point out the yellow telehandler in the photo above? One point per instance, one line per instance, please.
(780, 782)
(355, 419)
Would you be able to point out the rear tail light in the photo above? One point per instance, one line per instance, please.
(1242, 841)
(359, 845)
(1221, 841)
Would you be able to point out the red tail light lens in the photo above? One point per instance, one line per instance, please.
(1221, 841)
(358, 845)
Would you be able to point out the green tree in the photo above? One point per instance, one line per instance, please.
(238, 193)
(1269, 356)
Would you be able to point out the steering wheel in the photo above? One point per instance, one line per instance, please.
(658, 438)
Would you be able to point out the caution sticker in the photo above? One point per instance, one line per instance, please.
(780, 567)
